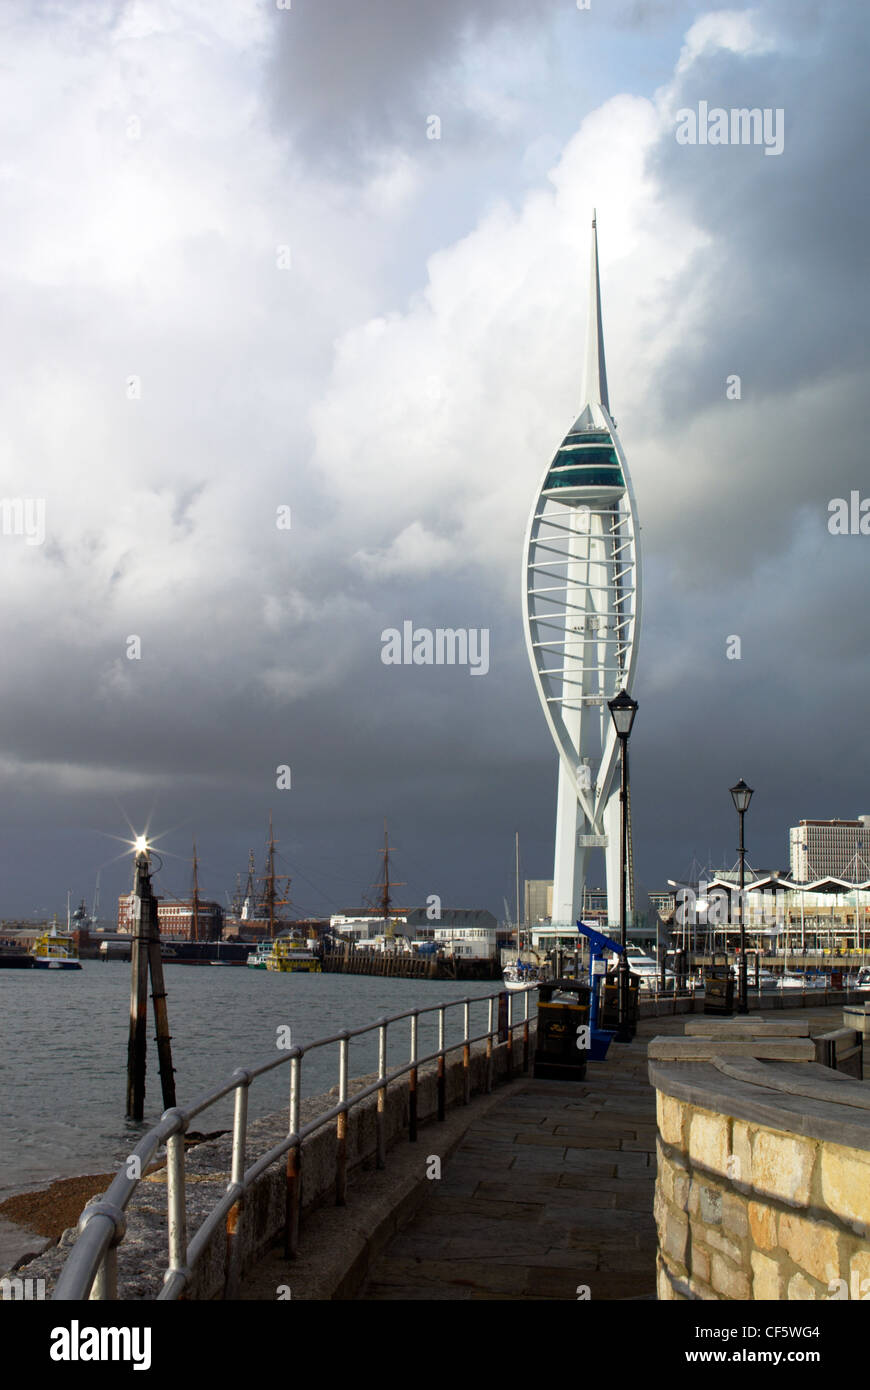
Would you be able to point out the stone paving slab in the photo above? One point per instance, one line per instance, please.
(551, 1192)
(513, 1218)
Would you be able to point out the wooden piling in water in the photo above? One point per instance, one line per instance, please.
(137, 1043)
(145, 957)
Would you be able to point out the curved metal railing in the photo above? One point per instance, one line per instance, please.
(91, 1269)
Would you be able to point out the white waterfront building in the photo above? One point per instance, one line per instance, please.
(467, 942)
(458, 931)
(839, 847)
(581, 602)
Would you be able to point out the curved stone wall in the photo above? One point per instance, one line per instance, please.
(763, 1187)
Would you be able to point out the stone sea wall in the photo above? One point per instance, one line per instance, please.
(763, 1187)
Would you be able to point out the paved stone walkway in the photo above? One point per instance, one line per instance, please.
(551, 1190)
(548, 1195)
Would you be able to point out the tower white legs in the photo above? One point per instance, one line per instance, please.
(570, 866)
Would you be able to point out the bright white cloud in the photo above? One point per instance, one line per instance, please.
(737, 31)
(415, 551)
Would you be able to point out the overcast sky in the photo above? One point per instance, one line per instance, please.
(239, 274)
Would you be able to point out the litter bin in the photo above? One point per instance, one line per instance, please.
(718, 989)
(609, 1013)
(562, 1048)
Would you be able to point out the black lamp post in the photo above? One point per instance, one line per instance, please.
(622, 711)
(742, 795)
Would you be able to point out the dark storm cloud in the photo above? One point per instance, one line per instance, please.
(352, 76)
(261, 649)
(787, 275)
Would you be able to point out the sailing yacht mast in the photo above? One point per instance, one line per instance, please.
(519, 942)
(195, 896)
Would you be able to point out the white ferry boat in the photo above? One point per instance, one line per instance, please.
(258, 958)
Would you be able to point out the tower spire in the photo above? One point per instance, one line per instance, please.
(595, 382)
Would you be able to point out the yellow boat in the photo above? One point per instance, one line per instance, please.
(53, 951)
(290, 953)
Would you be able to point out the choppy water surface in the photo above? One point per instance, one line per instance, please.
(64, 1051)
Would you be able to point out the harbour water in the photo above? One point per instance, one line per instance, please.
(64, 1051)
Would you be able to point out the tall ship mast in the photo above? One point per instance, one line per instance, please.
(384, 899)
(276, 892)
(195, 896)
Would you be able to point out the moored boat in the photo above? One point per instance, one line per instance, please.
(258, 958)
(649, 973)
(517, 974)
(55, 951)
(290, 954)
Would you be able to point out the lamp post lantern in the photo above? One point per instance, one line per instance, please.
(622, 711)
(742, 795)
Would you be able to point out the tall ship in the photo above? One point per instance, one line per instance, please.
(259, 913)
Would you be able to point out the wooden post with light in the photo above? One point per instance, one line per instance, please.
(145, 957)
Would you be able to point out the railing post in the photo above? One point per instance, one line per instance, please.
(526, 1030)
(380, 1117)
(105, 1285)
(412, 1082)
(174, 1123)
(293, 1172)
(510, 1036)
(237, 1177)
(177, 1205)
(442, 1078)
(341, 1126)
(489, 1030)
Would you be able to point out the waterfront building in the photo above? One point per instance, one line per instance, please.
(176, 920)
(581, 601)
(818, 848)
(780, 915)
(365, 923)
(538, 900)
(663, 903)
(415, 923)
(467, 942)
